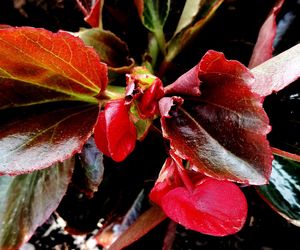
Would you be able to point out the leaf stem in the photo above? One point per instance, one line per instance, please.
(113, 92)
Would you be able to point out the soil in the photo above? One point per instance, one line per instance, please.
(264, 229)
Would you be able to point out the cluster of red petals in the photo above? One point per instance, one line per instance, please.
(115, 133)
(146, 90)
(211, 207)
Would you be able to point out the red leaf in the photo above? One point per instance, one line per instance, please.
(223, 131)
(168, 179)
(43, 75)
(214, 207)
(263, 49)
(93, 18)
(277, 73)
(187, 84)
(57, 62)
(115, 134)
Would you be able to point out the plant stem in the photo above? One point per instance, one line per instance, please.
(113, 92)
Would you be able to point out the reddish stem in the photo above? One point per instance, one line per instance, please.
(183, 174)
(285, 154)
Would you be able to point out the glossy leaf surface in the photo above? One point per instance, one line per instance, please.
(223, 131)
(42, 76)
(111, 49)
(263, 49)
(28, 200)
(115, 134)
(36, 137)
(214, 207)
(283, 191)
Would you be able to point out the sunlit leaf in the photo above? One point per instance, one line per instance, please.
(26, 201)
(277, 72)
(37, 66)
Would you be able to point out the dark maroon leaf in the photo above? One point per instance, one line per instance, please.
(214, 207)
(36, 137)
(263, 49)
(28, 200)
(223, 131)
(115, 134)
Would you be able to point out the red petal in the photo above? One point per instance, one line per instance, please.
(148, 106)
(214, 207)
(117, 137)
(168, 179)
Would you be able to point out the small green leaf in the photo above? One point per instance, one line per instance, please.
(283, 191)
(26, 201)
(154, 14)
(110, 48)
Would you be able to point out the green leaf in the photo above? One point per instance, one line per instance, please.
(28, 200)
(283, 191)
(111, 49)
(154, 14)
(181, 39)
(189, 13)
